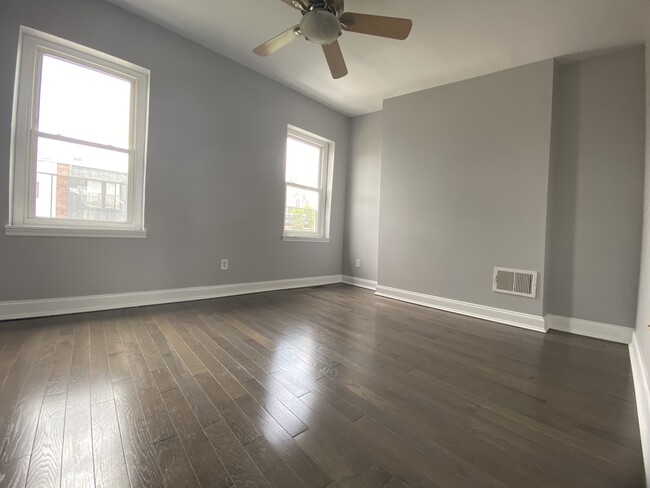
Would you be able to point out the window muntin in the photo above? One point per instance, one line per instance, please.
(79, 142)
(306, 185)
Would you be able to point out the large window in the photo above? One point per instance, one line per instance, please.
(307, 181)
(79, 141)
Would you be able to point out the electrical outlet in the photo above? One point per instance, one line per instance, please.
(357, 263)
(224, 264)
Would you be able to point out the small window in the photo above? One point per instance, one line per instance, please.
(79, 141)
(307, 182)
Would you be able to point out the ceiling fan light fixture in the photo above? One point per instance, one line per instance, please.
(321, 27)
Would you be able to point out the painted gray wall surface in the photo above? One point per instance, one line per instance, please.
(464, 186)
(597, 179)
(555, 124)
(362, 202)
(215, 168)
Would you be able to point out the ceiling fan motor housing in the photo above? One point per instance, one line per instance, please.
(321, 27)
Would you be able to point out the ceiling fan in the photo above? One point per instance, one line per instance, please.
(323, 22)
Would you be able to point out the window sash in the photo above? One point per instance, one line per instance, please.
(322, 190)
(322, 149)
(33, 46)
(42, 51)
(52, 221)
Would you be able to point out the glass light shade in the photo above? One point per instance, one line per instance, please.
(320, 26)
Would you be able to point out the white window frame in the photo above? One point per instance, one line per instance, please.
(33, 45)
(324, 189)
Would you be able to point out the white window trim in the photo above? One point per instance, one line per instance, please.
(327, 172)
(22, 222)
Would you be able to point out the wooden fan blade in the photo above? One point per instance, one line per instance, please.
(376, 25)
(335, 60)
(278, 42)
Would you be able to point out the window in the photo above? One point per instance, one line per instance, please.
(307, 182)
(79, 145)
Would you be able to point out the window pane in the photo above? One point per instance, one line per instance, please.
(301, 214)
(303, 163)
(83, 103)
(72, 182)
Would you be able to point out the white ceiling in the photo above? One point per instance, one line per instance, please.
(451, 40)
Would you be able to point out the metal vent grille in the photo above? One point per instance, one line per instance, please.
(515, 282)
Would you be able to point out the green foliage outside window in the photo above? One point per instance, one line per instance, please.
(300, 219)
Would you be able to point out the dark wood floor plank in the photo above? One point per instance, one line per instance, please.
(247, 328)
(81, 344)
(206, 463)
(219, 330)
(57, 381)
(324, 387)
(19, 438)
(10, 354)
(138, 448)
(125, 318)
(140, 324)
(452, 473)
(13, 474)
(246, 351)
(174, 465)
(159, 424)
(45, 463)
(77, 464)
(210, 340)
(243, 471)
(241, 426)
(109, 462)
(282, 415)
(171, 330)
(395, 483)
(277, 473)
(200, 404)
(228, 382)
(101, 389)
(333, 465)
(302, 465)
(116, 356)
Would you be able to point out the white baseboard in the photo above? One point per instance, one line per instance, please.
(642, 391)
(596, 330)
(62, 306)
(507, 317)
(360, 282)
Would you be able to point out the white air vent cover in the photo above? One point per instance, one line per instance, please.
(515, 282)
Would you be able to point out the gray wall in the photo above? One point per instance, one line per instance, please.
(362, 202)
(464, 186)
(555, 123)
(215, 169)
(597, 180)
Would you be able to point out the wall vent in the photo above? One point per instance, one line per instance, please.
(515, 282)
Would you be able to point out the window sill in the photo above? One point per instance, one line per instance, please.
(305, 239)
(33, 230)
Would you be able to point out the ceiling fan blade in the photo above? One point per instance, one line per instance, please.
(278, 42)
(376, 25)
(300, 5)
(335, 60)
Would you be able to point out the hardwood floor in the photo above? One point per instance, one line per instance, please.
(329, 386)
